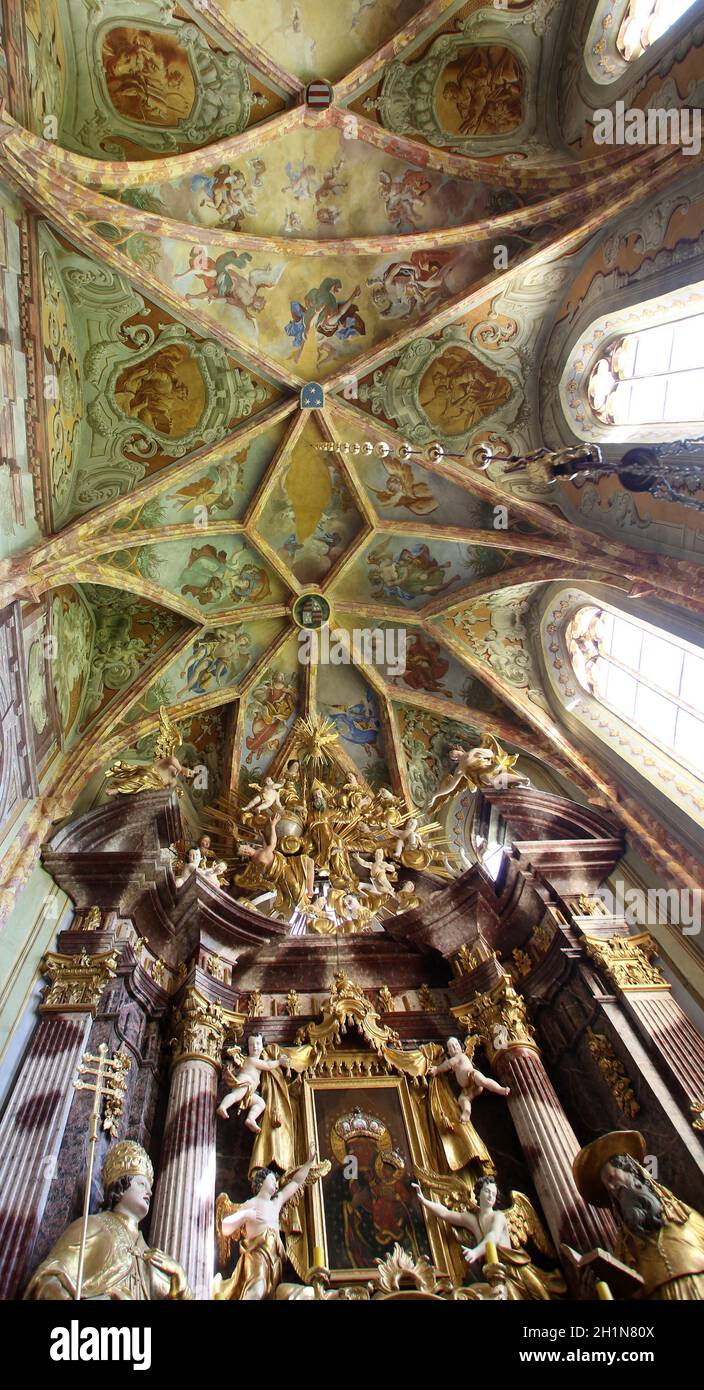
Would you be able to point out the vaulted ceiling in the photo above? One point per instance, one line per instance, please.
(203, 245)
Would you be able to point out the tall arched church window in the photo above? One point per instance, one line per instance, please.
(635, 374)
(650, 679)
(645, 22)
(653, 377)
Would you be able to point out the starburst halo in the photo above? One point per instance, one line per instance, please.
(313, 737)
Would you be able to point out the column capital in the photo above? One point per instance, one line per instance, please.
(199, 1030)
(500, 1019)
(76, 981)
(627, 961)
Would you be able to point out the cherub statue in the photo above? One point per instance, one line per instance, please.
(486, 767)
(379, 873)
(216, 872)
(470, 1081)
(266, 796)
(406, 837)
(193, 860)
(257, 1223)
(509, 1229)
(246, 1076)
(165, 771)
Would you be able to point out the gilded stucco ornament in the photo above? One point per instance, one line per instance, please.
(77, 982)
(613, 1073)
(200, 1029)
(626, 961)
(499, 1018)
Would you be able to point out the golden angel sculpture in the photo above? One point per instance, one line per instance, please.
(163, 772)
(487, 767)
(323, 851)
(257, 1225)
(510, 1229)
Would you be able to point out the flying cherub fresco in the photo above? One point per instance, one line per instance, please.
(228, 193)
(426, 665)
(413, 284)
(328, 316)
(216, 490)
(330, 184)
(223, 281)
(301, 180)
(404, 198)
(403, 489)
(213, 576)
(411, 574)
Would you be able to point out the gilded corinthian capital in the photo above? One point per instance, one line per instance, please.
(77, 981)
(626, 961)
(499, 1018)
(199, 1030)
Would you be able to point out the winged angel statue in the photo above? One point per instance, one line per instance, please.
(257, 1225)
(510, 1228)
(163, 772)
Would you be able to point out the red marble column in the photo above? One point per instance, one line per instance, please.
(33, 1124)
(183, 1215)
(647, 999)
(546, 1136)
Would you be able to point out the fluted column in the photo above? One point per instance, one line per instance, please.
(647, 999)
(183, 1219)
(33, 1124)
(546, 1136)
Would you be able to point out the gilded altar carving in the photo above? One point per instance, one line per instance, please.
(697, 1111)
(499, 1018)
(93, 920)
(626, 961)
(613, 1073)
(77, 982)
(200, 1028)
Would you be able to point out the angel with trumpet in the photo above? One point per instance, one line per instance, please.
(257, 1224)
(508, 1230)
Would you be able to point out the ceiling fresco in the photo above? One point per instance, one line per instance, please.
(202, 245)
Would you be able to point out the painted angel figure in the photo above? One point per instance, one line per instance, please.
(246, 1074)
(509, 1228)
(256, 1224)
(266, 796)
(487, 766)
(470, 1081)
(164, 771)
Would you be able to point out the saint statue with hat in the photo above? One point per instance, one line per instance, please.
(659, 1236)
(118, 1262)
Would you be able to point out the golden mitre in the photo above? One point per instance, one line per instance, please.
(126, 1160)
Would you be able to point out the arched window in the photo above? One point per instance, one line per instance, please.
(652, 377)
(645, 22)
(652, 680)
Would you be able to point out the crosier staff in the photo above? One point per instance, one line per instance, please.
(110, 1081)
